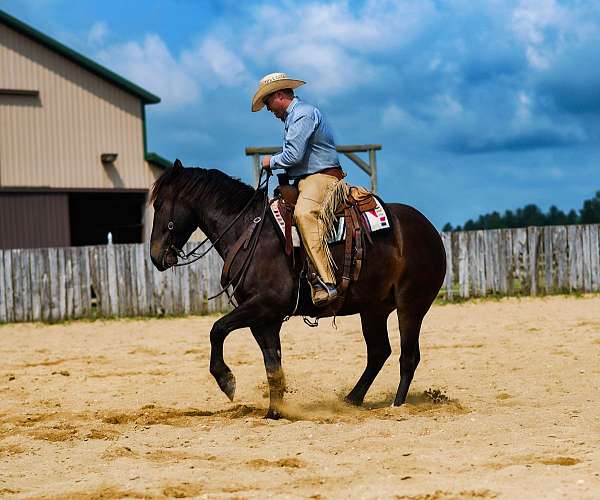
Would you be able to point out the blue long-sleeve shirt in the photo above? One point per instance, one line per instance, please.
(308, 145)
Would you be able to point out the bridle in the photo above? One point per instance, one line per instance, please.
(170, 240)
(192, 256)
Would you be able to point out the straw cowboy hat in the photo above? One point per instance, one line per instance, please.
(272, 83)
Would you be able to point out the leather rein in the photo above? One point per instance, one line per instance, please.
(244, 241)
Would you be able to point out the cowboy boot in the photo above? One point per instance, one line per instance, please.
(322, 293)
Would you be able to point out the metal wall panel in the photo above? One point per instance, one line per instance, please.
(34, 220)
(56, 139)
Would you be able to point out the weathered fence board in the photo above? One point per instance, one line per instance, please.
(17, 284)
(548, 261)
(2, 290)
(45, 292)
(447, 241)
(595, 257)
(8, 286)
(53, 284)
(559, 242)
(532, 260)
(463, 264)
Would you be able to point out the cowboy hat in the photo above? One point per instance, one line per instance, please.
(272, 83)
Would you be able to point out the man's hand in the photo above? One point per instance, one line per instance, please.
(266, 162)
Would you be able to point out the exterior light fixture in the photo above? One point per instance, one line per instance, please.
(108, 157)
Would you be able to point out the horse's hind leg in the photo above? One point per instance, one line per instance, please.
(267, 337)
(409, 322)
(374, 327)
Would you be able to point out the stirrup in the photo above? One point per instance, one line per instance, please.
(318, 284)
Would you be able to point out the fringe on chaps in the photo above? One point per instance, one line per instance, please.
(336, 197)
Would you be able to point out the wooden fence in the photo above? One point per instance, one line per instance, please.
(53, 284)
(533, 260)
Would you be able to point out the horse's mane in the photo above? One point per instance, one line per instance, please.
(190, 183)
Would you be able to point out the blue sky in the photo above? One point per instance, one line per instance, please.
(479, 105)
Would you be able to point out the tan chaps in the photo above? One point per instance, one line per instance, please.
(314, 190)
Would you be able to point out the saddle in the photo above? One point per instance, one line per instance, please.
(359, 201)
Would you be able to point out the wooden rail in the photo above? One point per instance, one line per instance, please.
(533, 260)
(349, 151)
(54, 284)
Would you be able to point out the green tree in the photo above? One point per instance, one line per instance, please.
(509, 219)
(572, 217)
(556, 217)
(590, 213)
(531, 215)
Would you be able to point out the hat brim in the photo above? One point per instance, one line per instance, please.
(269, 88)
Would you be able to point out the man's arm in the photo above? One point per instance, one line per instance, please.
(296, 141)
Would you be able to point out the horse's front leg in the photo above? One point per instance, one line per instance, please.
(243, 316)
(267, 337)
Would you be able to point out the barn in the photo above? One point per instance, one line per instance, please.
(74, 164)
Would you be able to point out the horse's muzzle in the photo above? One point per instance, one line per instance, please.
(169, 258)
(164, 260)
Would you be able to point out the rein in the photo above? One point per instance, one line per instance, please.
(258, 222)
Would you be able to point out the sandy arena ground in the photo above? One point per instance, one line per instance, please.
(115, 409)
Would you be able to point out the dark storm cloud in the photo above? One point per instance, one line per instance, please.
(474, 143)
(572, 84)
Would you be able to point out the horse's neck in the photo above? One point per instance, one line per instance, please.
(214, 224)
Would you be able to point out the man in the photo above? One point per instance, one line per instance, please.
(310, 159)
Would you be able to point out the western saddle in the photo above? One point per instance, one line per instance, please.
(359, 200)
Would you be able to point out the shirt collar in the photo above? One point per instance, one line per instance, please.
(291, 106)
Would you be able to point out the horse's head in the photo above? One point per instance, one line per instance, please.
(174, 219)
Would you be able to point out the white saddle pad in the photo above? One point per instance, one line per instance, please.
(375, 219)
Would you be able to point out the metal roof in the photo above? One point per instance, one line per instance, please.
(76, 57)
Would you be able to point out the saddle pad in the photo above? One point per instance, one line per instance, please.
(376, 220)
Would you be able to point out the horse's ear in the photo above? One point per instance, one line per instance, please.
(177, 165)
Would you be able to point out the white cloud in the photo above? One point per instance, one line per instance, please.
(151, 65)
(556, 173)
(397, 119)
(213, 62)
(523, 107)
(97, 33)
(393, 116)
(195, 137)
(329, 44)
(533, 173)
(447, 105)
(534, 21)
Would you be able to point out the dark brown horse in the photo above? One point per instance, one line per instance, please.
(402, 270)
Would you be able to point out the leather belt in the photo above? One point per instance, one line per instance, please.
(336, 172)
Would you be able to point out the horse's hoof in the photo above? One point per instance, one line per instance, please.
(353, 401)
(273, 414)
(227, 385)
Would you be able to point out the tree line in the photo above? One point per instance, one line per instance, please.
(531, 215)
